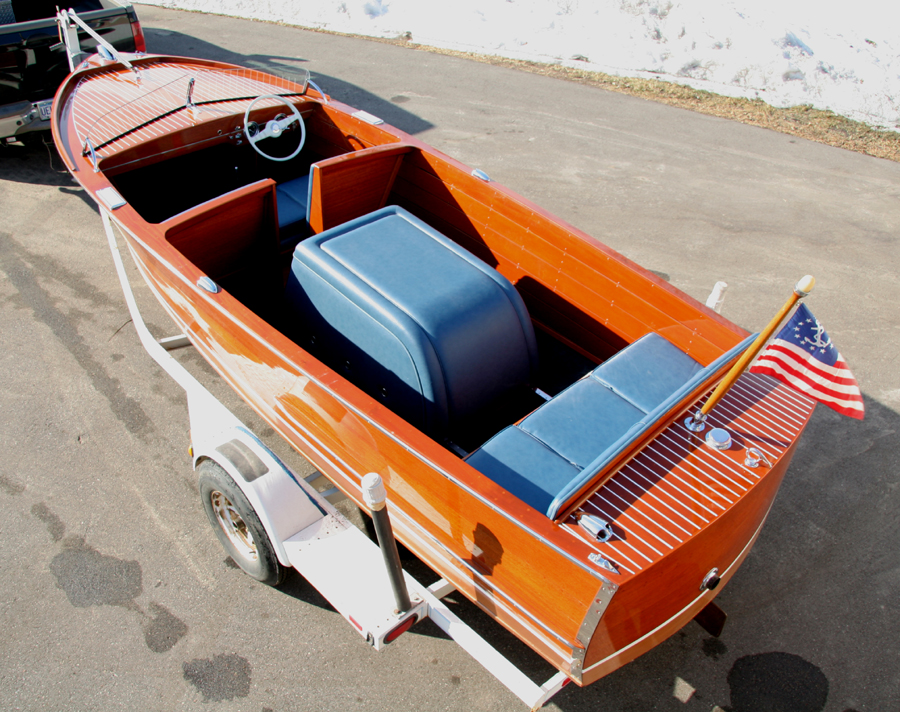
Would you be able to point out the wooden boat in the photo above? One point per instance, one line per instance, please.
(521, 388)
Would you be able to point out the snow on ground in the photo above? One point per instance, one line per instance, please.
(838, 56)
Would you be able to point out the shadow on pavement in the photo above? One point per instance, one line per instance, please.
(176, 43)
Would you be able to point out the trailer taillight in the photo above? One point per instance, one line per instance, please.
(400, 629)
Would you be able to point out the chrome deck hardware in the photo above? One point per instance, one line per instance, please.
(208, 285)
(755, 456)
(718, 439)
(598, 528)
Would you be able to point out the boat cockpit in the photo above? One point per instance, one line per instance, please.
(438, 295)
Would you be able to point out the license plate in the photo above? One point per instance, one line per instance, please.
(45, 108)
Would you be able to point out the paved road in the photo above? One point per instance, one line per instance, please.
(115, 594)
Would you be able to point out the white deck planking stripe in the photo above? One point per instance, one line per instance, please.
(104, 114)
(678, 474)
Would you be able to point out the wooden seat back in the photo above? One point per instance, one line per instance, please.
(352, 185)
(229, 233)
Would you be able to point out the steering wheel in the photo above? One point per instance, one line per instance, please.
(274, 128)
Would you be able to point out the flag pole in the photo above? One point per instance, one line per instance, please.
(802, 289)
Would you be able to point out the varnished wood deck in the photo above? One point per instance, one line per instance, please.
(117, 106)
(678, 485)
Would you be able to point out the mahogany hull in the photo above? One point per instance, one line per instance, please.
(500, 563)
(678, 509)
(443, 524)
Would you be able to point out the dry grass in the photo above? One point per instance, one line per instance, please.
(802, 121)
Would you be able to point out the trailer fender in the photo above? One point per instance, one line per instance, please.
(285, 504)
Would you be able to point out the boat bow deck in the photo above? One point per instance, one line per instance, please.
(677, 486)
(127, 108)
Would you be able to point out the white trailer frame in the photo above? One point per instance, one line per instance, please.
(307, 532)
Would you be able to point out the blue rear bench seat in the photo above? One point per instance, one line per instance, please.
(552, 453)
(411, 318)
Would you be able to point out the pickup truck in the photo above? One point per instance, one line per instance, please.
(33, 61)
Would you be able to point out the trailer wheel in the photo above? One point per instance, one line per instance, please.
(236, 525)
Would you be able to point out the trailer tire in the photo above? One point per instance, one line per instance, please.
(237, 525)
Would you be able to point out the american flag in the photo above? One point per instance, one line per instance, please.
(803, 356)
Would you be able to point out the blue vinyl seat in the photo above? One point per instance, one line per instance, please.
(523, 465)
(546, 458)
(411, 318)
(582, 421)
(647, 371)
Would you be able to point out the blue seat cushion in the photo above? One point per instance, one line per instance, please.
(523, 466)
(679, 392)
(647, 371)
(560, 447)
(411, 318)
(293, 201)
(582, 421)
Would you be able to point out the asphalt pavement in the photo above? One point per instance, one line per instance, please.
(115, 594)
